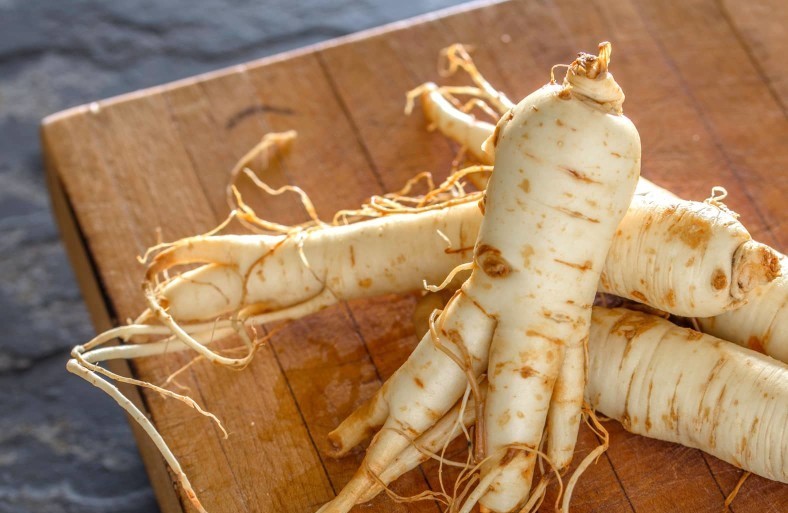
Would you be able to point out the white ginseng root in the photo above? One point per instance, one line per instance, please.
(525, 300)
(669, 383)
(448, 358)
(271, 274)
(762, 323)
(678, 385)
(431, 444)
(543, 270)
(662, 241)
(755, 312)
(242, 275)
(262, 278)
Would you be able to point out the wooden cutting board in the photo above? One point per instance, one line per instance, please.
(704, 84)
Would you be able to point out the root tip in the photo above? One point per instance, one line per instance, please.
(754, 264)
(336, 448)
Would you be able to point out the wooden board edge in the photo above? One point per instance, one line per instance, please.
(101, 318)
(264, 61)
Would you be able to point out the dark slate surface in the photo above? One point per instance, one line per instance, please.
(64, 447)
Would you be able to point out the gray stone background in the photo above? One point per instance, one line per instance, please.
(64, 447)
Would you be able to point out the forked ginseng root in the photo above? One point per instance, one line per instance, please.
(521, 254)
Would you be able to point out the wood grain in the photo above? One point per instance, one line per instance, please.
(703, 85)
(760, 28)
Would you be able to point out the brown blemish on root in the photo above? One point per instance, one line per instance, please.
(499, 126)
(674, 408)
(668, 212)
(525, 185)
(574, 213)
(771, 263)
(692, 230)
(558, 317)
(554, 340)
(559, 122)
(755, 344)
(365, 283)
(496, 134)
(705, 411)
(511, 453)
(625, 416)
(639, 296)
(352, 257)
(691, 261)
(626, 423)
(633, 324)
(578, 175)
(754, 427)
(411, 431)
(585, 266)
(718, 280)
(527, 253)
(647, 421)
(455, 337)
(693, 335)
(670, 298)
(527, 372)
(565, 93)
(419, 383)
(617, 155)
(743, 445)
(504, 419)
(604, 280)
(491, 261)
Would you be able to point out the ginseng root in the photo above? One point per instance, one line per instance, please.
(662, 241)
(651, 375)
(762, 323)
(521, 253)
(678, 385)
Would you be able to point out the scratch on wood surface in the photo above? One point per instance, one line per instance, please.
(256, 109)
